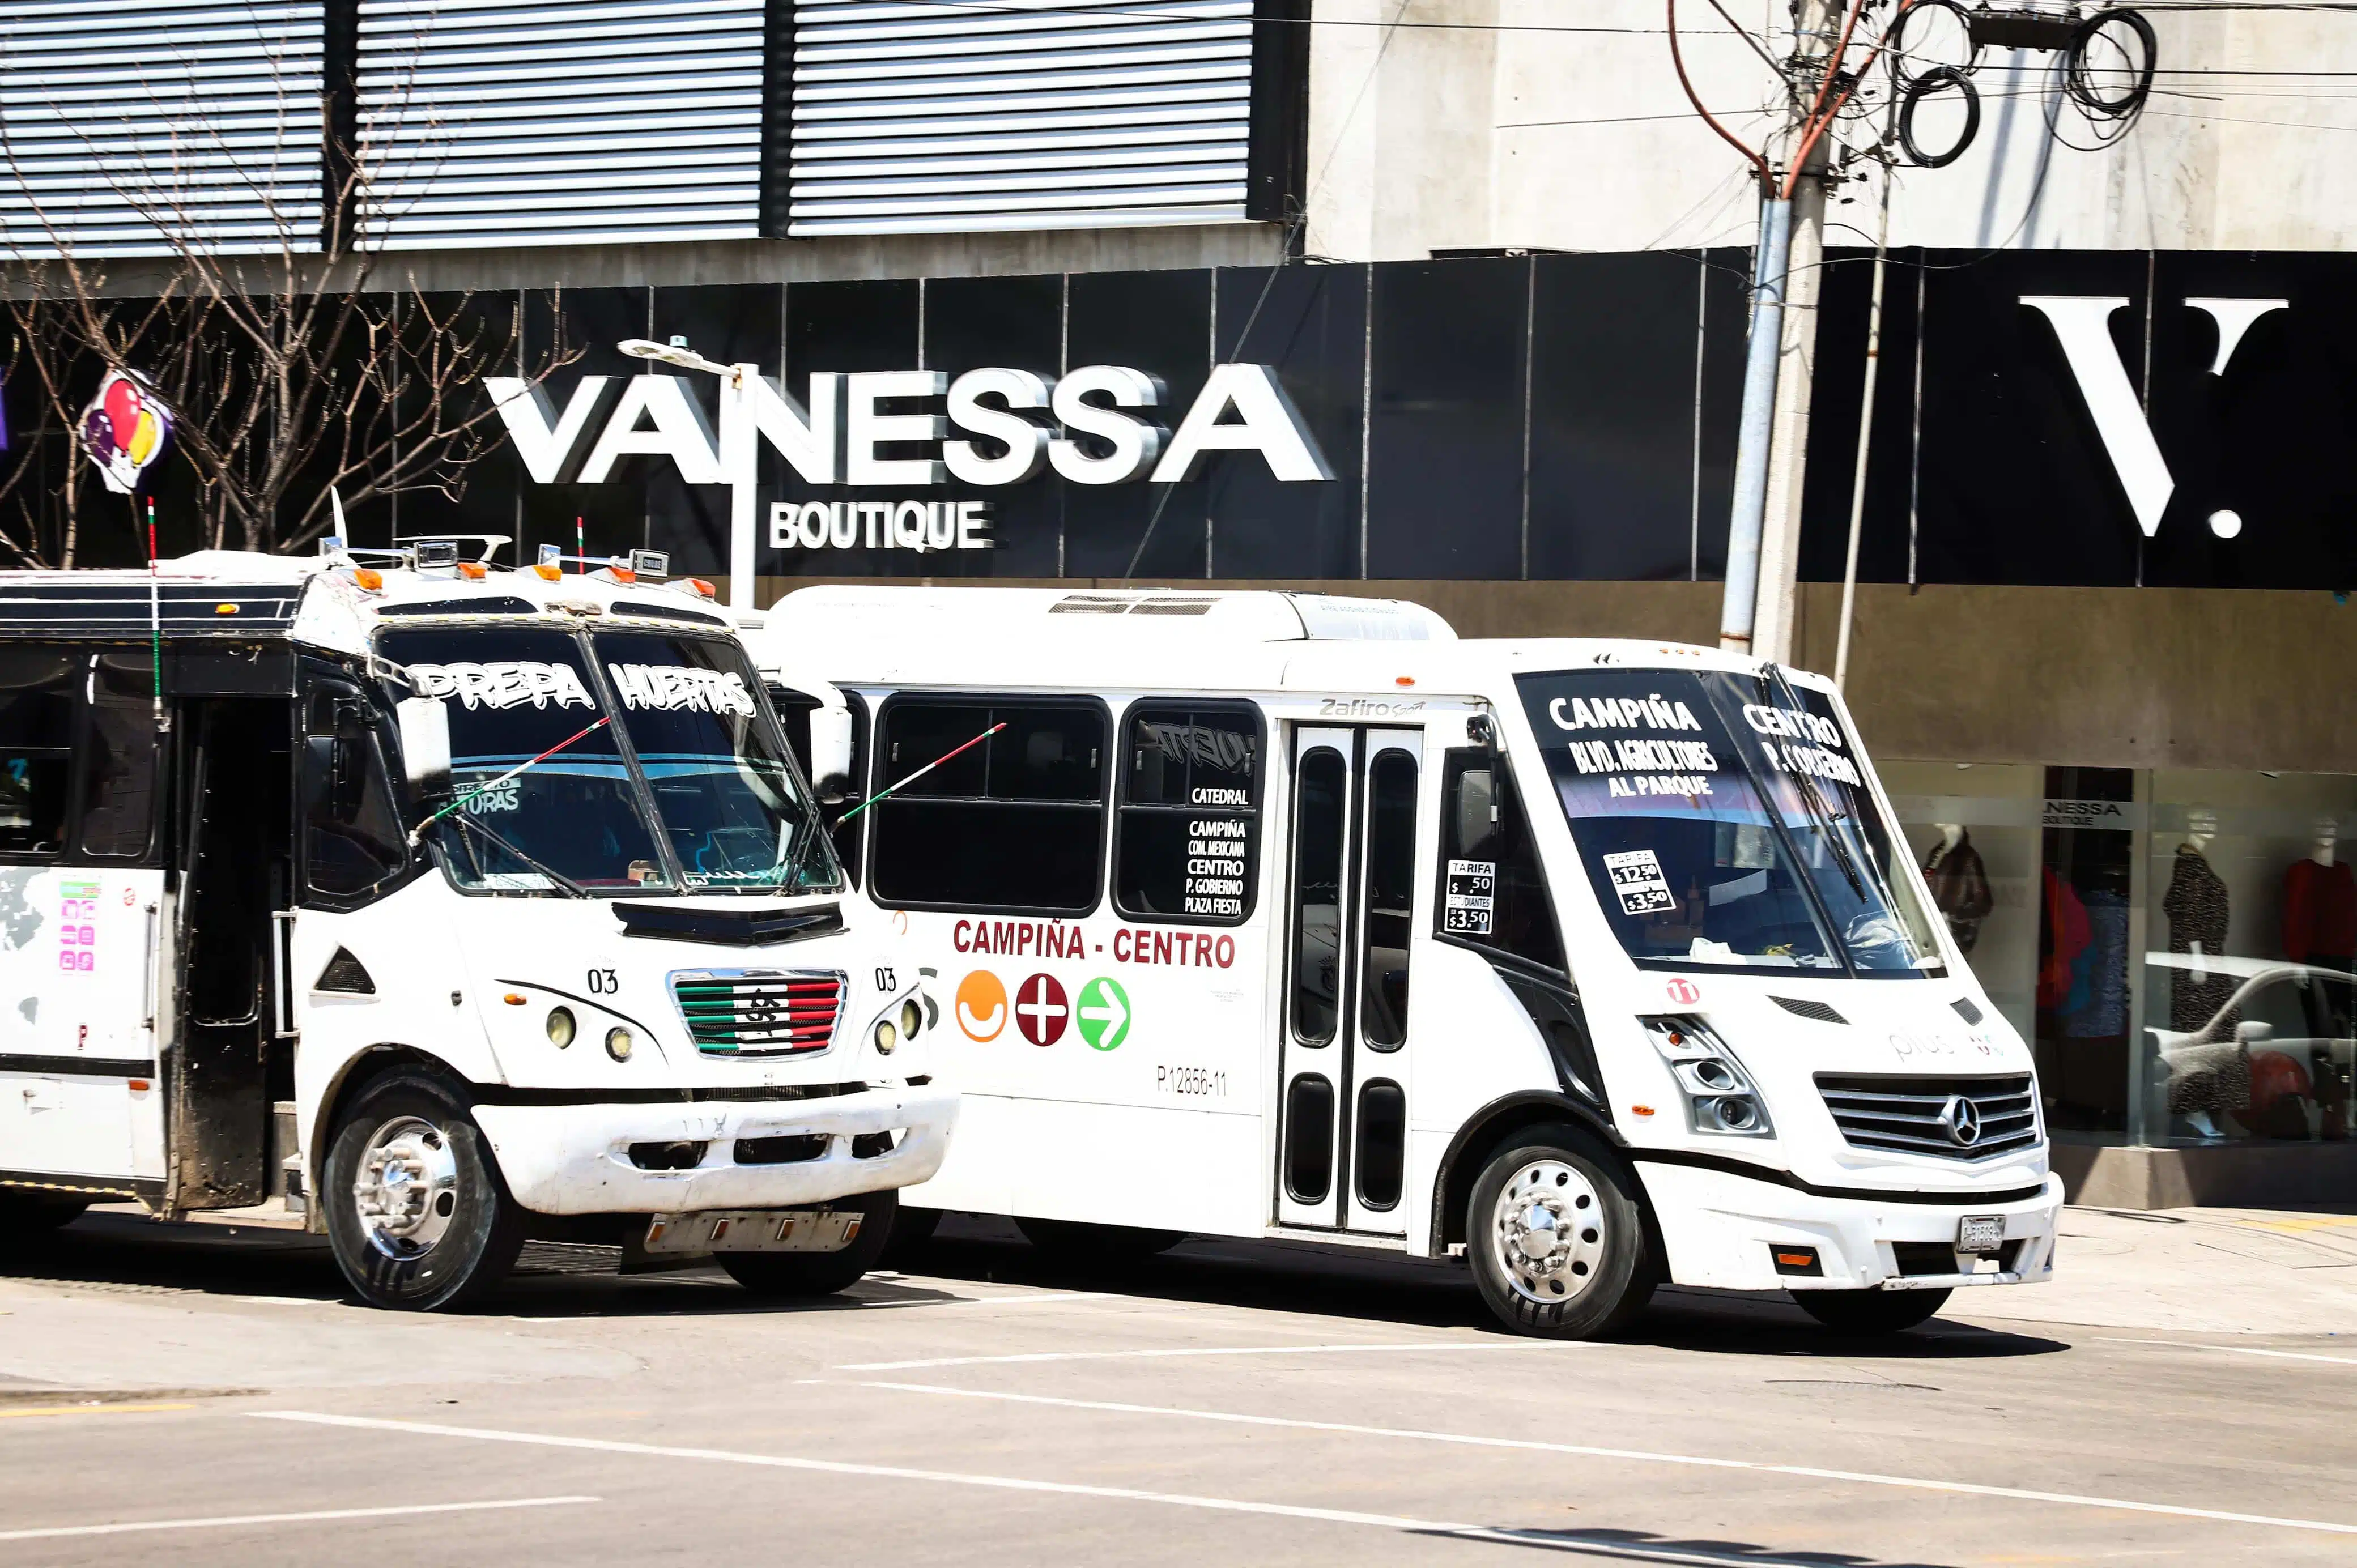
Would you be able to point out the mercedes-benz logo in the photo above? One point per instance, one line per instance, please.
(1961, 1119)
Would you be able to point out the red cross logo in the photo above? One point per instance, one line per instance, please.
(1039, 1010)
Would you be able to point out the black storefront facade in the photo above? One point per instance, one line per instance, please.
(2104, 648)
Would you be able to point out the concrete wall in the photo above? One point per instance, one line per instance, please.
(2242, 679)
(1523, 122)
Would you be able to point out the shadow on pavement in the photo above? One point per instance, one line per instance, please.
(1643, 1546)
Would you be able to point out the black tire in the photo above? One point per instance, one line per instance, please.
(34, 1213)
(912, 1234)
(481, 1228)
(787, 1274)
(1870, 1311)
(1596, 1277)
(1076, 1241)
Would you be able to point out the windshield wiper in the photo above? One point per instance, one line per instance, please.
(572, 888)
(1823, 815)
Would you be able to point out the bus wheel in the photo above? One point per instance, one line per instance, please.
(1075, 1241)
(28, 1213)
(820, 1273)
(417, 1213)
(1556, 1236)
(913, 1233)
(1870, 1311)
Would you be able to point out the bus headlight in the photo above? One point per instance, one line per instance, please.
(618, 1043)
(1720, 1098)
(912, 1018)
(885, 1038)
(560, 1027)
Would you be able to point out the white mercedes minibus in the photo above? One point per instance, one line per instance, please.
(474, 903)
(1272, 915)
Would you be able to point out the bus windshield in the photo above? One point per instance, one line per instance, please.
(1724, 820)
(660, 773)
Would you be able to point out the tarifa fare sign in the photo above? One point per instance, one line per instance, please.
(1099, 424)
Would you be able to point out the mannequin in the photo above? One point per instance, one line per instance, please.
(2198, 913)
(1959, 883)
(2320, 921)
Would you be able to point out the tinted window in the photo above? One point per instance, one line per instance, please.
(352, 834)
(733, 810)
(1318, 895)
(118, 782)
(1391, 894)
(511, 696)
(1486, 853)
(37, 711)
(1188, 840)
(1015, 822)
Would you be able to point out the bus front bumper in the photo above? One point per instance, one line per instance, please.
(733, 1154)
(1730, 1232)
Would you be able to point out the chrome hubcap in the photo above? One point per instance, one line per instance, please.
(1548, 1230)
(407, 1187)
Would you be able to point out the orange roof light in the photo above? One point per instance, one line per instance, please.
(369, 577)
(554, 574)
(621, 574)
(472, 570)
(702, 587)
(1403, 680)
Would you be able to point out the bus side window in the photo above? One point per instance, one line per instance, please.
(795, 709)
(1186, 844)
(1482, 822)
(1015, 822)
(36, 714)
(352, 839)
(118, 782)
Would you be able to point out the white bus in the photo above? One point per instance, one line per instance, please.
(478, 903)
(1269, 915)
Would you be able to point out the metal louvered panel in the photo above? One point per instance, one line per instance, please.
(123, 124)
(1023, 115)
(506, 122)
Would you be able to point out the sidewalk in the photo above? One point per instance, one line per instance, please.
(2207, 1271)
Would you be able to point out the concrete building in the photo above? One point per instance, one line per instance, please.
(1495, 269)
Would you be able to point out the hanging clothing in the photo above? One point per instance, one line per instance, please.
(2097, 1007)
(2063, 935)
(2198, 912)
(1960, 887)
(2319, 918)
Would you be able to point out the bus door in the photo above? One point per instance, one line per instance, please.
(1342, 1139)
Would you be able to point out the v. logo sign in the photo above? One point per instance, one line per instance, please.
(2080, 323)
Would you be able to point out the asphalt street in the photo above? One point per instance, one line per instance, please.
(210, 1394)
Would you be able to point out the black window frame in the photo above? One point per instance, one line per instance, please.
(1455, 763)
(850, 848)
(1123, 808)
(80, 656)
(879, 733)
(344, 683)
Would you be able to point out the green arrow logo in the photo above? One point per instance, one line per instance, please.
(1103, 1014)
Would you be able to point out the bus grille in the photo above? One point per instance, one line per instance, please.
(1960, 1119)
(760, 1012)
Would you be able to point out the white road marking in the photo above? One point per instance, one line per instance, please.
(1638, 1455)
(1636, 1551)
(1443, 1346)
(2229, 1349)
(229, 1520)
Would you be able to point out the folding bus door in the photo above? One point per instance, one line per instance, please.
(1343, 1106)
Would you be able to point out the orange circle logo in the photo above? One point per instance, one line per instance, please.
(981, 1005)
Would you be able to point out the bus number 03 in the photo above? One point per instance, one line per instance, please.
(604, 982)
(887, 981)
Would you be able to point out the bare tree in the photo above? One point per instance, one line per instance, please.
(240, 277)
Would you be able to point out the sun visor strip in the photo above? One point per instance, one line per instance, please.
(729, 928)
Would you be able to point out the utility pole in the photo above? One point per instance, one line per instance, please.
(1772, 451)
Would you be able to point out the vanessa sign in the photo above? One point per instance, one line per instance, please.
(1099, 424)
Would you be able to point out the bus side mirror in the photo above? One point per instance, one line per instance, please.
(830, 750)
(425, 744)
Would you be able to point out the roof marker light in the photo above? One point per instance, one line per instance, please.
(1403, 680)
(472, 570)
(369, 577)
(554, 574)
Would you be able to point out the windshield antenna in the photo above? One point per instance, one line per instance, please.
(494, 783)
(919, 773)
